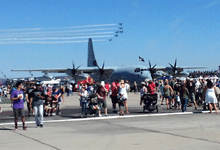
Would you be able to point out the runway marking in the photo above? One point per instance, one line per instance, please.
(102, 118)
(208, 111)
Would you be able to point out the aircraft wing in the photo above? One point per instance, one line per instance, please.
(185, 67)
(43, 70)
(178, 68)
(88, 70)
(95, 70)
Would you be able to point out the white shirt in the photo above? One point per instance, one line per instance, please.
(123, 92)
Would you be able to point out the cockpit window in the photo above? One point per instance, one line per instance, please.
(137, 70)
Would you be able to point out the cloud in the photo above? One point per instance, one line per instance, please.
(210, 5)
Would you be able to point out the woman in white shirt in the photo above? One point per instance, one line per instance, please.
(143, 92)
(210, 96)
(123, 95)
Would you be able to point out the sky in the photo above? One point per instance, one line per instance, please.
(53, 33)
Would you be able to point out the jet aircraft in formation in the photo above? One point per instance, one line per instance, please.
(132, 73)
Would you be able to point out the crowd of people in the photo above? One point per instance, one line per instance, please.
(179, 94)
(45, 100)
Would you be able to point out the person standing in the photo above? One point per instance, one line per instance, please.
(192, 91)
(124, 96)
(114, 94)
(210, 96)
(62, 90)
(83, 93)
(143, 92)
(184, 95)
(29, 103)
(101, 94)
(1, 93)
(167, 89)
(37, 96)
(18, 105)
(135, 87)
(57, 92)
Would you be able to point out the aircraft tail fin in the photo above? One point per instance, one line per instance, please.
(91, 56)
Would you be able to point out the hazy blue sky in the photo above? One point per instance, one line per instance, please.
(34, 34)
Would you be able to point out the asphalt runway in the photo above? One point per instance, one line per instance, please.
(168, 129)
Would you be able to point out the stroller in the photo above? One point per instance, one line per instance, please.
(150, 102)
(90, 106)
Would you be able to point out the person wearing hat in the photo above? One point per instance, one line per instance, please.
(37, 96)
(101, 94)
(143, 92)
(123, 96)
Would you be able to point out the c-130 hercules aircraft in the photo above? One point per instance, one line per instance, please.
(132, 73)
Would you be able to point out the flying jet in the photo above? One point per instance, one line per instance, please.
(120, 24)
(120, 28)
(116, 35)
(110, 39)
(116, 32)
(121, 31)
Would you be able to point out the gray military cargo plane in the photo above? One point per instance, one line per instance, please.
(131, 73)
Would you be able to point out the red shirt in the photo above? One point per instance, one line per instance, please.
(101, 92)
(150, 88)
(107, 86)
(114, 89)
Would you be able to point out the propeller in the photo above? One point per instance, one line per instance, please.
(101, 70)
(74, 71)
(152, 70)
(174, 67)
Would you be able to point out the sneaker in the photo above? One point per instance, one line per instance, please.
(59, 113)
(37, 126)
(53, 114)
(114, 111)
(16, 128)
(41, 125)
(24, 128)
(106, 115)
(1, 111)
(100, 115)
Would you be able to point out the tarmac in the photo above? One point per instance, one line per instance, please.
(168, 129)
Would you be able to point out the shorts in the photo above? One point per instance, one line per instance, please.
(121, 104)
(114, 99)
(92, 106)
(17, 112)
(102, 104)
(169, 97)
(59, 104)
(192, 97)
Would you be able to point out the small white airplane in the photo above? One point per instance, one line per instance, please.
(133, 73)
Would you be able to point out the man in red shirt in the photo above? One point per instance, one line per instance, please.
(114, 89)
(107, 87)
(101, 94)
